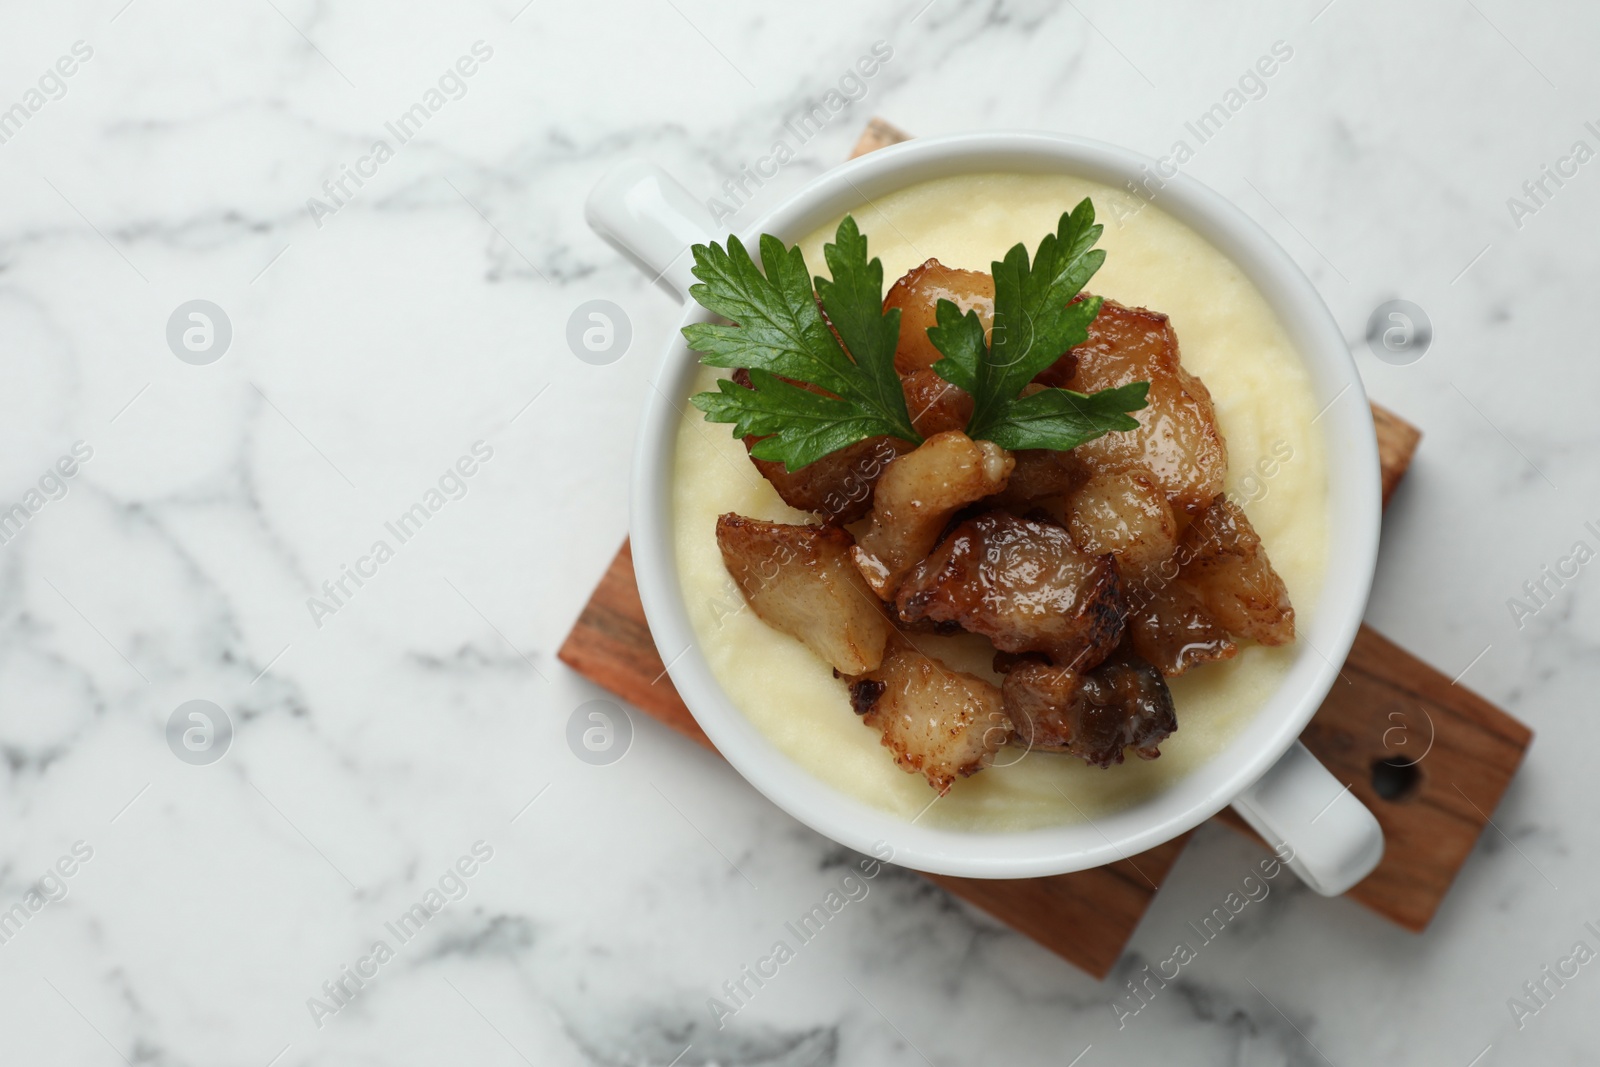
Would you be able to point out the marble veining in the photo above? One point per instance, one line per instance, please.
(209, 900)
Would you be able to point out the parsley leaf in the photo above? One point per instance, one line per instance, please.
(815, 389)
(1035, 321)
(1062, 419)
(778, 332)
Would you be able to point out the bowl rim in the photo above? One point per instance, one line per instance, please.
(1354, 490)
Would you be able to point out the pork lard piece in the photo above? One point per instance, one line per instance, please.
(917, 295)
(799, 579)
(1042, 477)
(1177, 441)
(1169, 626)
(1228, 568)
(1022, 584)
(1123, 703)
(938, 722)
(916, 497)
(839, 485)
(1123, 514)
(934, 404)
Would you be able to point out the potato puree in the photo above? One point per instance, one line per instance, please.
(1228, 336)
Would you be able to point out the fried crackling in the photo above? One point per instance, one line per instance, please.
(799, 579)
(1227, 566)
(1123, 514)
(1169, 626)
(1177, 442)
(938, 722)
(934, 404)
(917, 295)
(1039, 478)
(1094, 715)
(915, 498)
(1024, 585)
(839, 485)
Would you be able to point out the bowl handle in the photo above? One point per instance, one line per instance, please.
(650, 218)
(1333, 840)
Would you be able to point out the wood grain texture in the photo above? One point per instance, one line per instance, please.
(878, 134)
(1087, 917)
(611, 644)
(1397, 444)
(1442, 754)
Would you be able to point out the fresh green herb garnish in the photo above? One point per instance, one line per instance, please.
(779, 333)
(1035, 321)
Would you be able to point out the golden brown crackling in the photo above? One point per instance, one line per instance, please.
(917, 294)
(941, 723)
(934, 404)
(839, 485)
(1177, 442)
(1170, 627)
(1228, 567)
(1024, 585)
(799, 579)
(1126, 515)
(916, 497)
(1094, 715)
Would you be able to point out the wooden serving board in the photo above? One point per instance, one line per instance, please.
(1430, 758)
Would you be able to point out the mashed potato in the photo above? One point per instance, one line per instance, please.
(1264, 402)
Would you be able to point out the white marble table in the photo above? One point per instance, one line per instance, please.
(377, 335)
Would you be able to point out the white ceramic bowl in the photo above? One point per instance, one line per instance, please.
(1264, 772)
